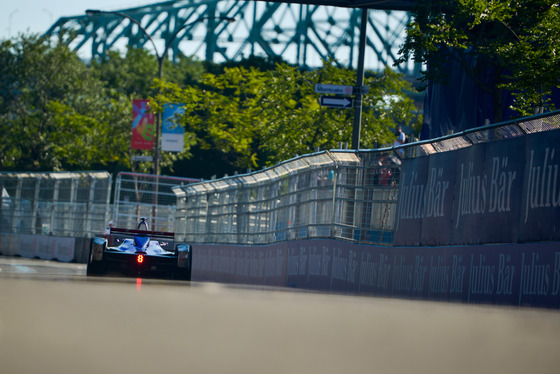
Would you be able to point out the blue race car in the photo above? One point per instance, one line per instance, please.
(140, 253)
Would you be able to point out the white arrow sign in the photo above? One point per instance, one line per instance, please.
(336, 102)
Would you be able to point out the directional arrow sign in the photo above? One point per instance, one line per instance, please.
(336, 102)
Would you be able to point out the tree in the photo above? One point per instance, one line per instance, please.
(257, 119)
(294, 123)
(133, 73)
(502, 45)
(220, 115)
(55, 113)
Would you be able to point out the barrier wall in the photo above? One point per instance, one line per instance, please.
(507, 274)
(495, 192)
(45, 247)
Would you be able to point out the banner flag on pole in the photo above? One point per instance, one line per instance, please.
(172, 133)
(143, 128)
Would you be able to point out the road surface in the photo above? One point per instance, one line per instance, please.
(53, 319)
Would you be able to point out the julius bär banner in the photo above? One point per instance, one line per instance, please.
(470, 195)
(540, 206)
(410, 206)
(525, 274)
(438, 199)
(497, 192)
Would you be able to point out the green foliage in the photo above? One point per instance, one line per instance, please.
(59, 113)
(50, 108)
(220, 114)
(260, 118)
(502, 45)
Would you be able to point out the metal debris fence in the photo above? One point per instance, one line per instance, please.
(146, 195)
(329, 194)
(56, 203)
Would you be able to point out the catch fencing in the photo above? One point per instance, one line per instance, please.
(58, 204)
(146, 195)
(329, 194)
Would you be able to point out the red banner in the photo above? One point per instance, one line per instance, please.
(143, 128)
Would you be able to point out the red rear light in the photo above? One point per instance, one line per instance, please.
(140, 259)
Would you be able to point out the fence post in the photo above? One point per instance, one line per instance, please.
(55, 206)
(35, 207)
(17, 201)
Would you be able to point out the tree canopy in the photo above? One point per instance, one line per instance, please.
(258, 118)
(61, 113)
(53, 112)
(511, 45)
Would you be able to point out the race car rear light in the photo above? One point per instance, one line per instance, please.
(140, 259)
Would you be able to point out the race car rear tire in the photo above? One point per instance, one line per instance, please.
(183, 274)
(94, 267)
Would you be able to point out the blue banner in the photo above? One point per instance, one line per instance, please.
(172, 133)
(410, 204)
(438, 199)
(503, 274)
(504, 172)
(470, 195)
(540, 206)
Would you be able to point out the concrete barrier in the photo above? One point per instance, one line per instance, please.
(507, 274)
(45, 247)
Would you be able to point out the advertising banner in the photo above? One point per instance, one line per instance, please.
(410, 204)
(143, 128)
(234, 264)
(540, 206)
(504, 172)
(172, 133)
(46, 247)
(470, 195)
(438, 199)
(502, 274)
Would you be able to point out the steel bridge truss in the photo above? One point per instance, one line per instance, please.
(305, 35)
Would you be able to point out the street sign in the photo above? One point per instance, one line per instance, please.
(333, 89)
(139, 158)
(336, 102)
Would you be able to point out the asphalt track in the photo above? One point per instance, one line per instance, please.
(53, 319)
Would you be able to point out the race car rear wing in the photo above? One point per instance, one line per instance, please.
(133, 232)
(165, 239)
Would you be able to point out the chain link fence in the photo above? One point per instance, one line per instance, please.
(146, 195)
(59, 203)
(328, 194)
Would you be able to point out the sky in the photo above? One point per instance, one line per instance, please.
(37, 16)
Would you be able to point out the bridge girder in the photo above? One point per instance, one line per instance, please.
(302, 34)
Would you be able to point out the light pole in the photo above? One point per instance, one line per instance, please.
(160, 59)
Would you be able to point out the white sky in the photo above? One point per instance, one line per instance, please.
(37, 16)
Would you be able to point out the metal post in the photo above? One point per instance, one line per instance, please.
(35, 206)
(359, 83)
(56, 205)
(16, 217)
